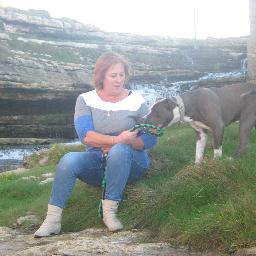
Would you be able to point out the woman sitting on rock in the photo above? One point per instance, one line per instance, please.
(103, 119)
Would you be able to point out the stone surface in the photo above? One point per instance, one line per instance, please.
(46, 181)
(15, 171)
(27, 141)
(29, 218)
(43, 160)
(246, 252)
(87, 242)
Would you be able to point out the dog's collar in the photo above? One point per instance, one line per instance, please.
(181, 107)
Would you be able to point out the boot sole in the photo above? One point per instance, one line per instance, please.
(52, 234)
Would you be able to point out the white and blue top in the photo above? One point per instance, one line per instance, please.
(94, 114)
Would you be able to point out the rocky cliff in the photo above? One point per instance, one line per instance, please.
(45, 63)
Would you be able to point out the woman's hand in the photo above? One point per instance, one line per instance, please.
(126, 137)
(106, 149)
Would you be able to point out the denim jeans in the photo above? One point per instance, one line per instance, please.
(123, 165)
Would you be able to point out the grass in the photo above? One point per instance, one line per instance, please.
(59, 53)
(208, 206)
(62, 54)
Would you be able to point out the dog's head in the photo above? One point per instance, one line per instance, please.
(163, 113)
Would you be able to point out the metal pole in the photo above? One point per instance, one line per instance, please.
(195, 28)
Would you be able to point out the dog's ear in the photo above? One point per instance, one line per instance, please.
(246, 94)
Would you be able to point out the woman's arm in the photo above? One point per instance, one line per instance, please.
(96, 139)
(88, 135)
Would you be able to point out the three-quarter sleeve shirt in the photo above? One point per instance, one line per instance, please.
(94, 114)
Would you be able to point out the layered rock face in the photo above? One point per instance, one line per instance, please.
(45, 63)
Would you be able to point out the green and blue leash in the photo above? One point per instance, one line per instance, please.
(146, 128)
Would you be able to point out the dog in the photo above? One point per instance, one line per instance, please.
(209, 109)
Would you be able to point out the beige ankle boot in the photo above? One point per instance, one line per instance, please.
(52, 222)
(109, 215)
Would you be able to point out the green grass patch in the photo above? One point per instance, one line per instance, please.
(62, 54)
(52, 155)
(207, 206)
(67, 54)
(19, 197)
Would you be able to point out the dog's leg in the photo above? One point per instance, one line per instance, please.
(246, 125)
(218, 133)
(217, 153)
(200, 145)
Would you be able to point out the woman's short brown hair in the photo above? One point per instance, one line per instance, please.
(103, 63)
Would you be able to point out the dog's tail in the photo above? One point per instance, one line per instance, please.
(248, 98)
(248, 94)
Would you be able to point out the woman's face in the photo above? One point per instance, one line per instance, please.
(114, 80)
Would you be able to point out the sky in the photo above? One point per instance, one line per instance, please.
(174, 18)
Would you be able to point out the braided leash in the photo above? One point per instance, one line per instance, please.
(145, 128)
(149, 128)
(103, 186)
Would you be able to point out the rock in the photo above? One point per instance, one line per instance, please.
(87, 242)
(6, 232)
(44, 160)
(246, 252)
(10, 243)
(26, 141)
(46, 181)
(16, 171)
(29, 178)
(47, 175)
(27, 219)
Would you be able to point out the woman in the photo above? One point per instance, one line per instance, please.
(103, 119)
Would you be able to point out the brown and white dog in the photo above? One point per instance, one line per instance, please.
(209, 109)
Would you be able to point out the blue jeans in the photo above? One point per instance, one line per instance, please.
(123, 165)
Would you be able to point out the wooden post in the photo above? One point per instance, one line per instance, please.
(251, 46)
